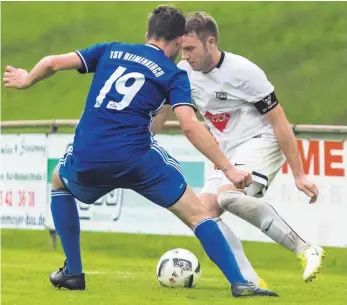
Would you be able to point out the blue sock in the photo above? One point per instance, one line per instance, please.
(67, 226)
(218, 250)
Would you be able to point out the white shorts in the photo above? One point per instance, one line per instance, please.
(261, 156)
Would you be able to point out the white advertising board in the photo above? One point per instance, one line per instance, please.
(325, 222)
(23, 196)
(124, 210)
(28, 162)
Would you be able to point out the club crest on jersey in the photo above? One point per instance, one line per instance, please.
(219, 120)
(221, 95)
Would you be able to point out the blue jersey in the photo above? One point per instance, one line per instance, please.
(131, 83)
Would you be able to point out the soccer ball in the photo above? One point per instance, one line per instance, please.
(178, 268)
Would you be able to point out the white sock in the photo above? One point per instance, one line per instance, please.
(235, 244)
(263, 216)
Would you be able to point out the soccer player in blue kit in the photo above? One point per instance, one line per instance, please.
(113, 145)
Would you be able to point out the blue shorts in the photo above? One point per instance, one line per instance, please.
(156, 176)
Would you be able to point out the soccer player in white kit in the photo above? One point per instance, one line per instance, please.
(240, 108)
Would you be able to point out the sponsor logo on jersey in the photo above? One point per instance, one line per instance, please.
(219, 120)
(221, 95)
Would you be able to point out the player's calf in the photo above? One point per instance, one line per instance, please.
(263, 216)
(67, 225)
(195, 215)
(190, 210)
(210, 201)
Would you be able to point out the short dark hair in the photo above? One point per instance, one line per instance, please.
(201, 24)
(166, 22)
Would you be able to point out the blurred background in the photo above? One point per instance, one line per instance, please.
(302, 46)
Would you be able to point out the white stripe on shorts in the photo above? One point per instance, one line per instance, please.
(166, 161)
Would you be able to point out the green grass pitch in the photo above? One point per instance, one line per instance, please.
(120, 269)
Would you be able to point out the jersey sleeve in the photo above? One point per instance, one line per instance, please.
(179, 92)
(259, 91)
(91, 56)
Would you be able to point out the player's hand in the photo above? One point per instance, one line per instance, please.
(306, 186)
(16, 78)
(239, 178)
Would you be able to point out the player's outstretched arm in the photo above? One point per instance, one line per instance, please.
(21, 79)
(200, 137)
(160, 119)
(287, 142)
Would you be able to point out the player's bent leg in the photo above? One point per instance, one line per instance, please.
(190, 210)
(263, 216)
(159, 178)
(209, 198)
(67, 225)
(57, 184)
(246, 267)
(210, 201)
(311, 256)
(260, 214)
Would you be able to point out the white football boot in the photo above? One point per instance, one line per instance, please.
(311, 261)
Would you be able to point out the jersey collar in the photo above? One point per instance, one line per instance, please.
(219, 64)
(154, 46)
(221, 59)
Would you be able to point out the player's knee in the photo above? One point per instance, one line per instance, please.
(215, 210)
(56, 181)
(198, 215)
(192, 210)
(211, 204)
(228, 197)
(200, 212)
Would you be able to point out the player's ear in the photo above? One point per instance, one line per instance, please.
(211, 41)
(146, 36)
(178, 42)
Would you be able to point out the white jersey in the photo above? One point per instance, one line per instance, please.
(232, 98)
